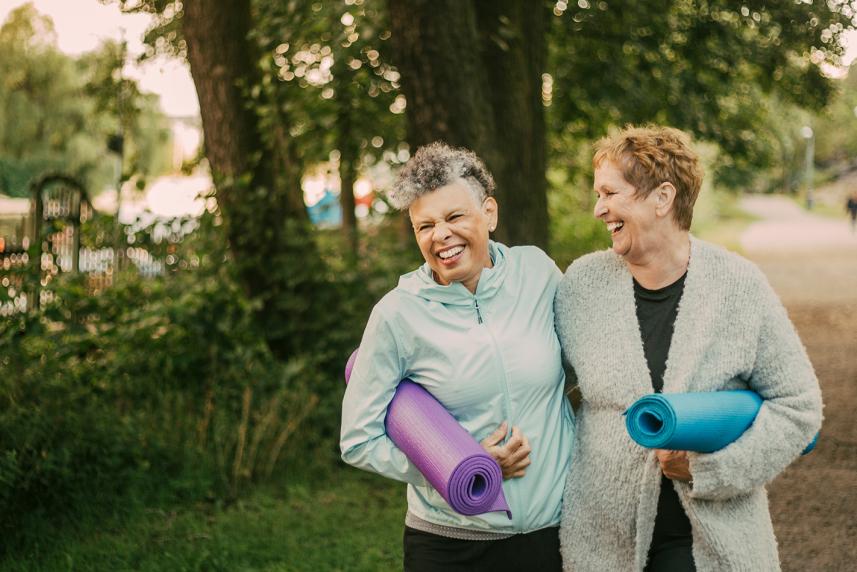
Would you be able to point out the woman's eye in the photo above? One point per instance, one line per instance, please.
(455, 216)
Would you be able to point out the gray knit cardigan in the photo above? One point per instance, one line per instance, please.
(731, 332)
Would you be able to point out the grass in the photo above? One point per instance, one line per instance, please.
(350, 521)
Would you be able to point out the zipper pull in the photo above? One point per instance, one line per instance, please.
(478, 313)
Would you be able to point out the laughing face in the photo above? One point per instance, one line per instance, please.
(451, 228)
(630, 219)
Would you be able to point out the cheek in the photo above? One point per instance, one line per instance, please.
(425, 247)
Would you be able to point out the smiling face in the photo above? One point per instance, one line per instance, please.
(451, 228)
(632, 220)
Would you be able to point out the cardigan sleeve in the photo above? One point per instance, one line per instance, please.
(789, 417)
(377, 372)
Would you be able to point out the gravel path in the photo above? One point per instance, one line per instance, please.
(812, 263)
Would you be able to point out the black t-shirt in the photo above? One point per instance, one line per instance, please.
(656, 313)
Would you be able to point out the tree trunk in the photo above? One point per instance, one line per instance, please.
(257, 179)
(349, 155)
(471, 73)
(514, 55)
(347, 177)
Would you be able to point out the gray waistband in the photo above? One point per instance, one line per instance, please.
(417, 523)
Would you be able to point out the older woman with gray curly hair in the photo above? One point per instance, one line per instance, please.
(474, 327)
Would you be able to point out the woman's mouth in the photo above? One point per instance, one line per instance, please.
(450, 255)
(615, 227)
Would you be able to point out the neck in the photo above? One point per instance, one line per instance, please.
(663, 265)
(469, 283)
(472, 284)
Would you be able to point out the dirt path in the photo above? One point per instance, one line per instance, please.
(812, 263)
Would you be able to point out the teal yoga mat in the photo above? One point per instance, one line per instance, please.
(700, 422)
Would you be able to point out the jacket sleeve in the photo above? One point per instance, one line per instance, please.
(377, 371)
(788, 419)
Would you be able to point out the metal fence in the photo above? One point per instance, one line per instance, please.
(36, 248)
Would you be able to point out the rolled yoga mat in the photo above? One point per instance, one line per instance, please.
(450, 459)
(700, 422)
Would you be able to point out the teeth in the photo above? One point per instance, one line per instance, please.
(451, 252)
(614, 226)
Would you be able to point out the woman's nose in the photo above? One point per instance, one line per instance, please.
(599, 209)
(441, 231)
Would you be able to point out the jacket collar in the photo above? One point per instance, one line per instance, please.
(421, 283)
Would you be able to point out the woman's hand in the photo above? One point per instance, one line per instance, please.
(674, 464)
(514, 455)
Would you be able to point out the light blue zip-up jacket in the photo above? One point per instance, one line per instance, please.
(488, 357)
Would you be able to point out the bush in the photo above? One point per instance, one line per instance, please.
(137, 388)
(164, 388)
(574, 231)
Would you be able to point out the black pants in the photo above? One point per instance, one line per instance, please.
(539, 550)
(671, 557)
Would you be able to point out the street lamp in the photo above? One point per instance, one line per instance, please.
(806, 133)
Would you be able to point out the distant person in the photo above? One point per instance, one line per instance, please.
(474, 326)
(851, 207)
(660, 293)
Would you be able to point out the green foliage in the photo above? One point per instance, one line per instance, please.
(136, 115)
(705, 66)
(150, 379)
(574, 230)
(836, 127)
(56, 113)
(326, 64)
(165, 387)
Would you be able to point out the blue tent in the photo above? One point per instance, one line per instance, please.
(326, 212)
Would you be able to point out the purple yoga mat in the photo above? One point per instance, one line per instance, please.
(450, 459)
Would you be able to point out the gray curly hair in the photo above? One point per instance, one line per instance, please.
(436, 165)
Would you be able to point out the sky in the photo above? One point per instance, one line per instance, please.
(81, 25)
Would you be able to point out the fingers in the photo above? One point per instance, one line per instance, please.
(514, 455)
(515, 439)
(514, 464)
(521, 454)
(666, 455)
(519, 470)
(494, 438)
(674, 464)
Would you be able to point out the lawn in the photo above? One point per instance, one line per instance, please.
(349, 521)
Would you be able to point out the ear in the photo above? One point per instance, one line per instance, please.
(664, 198)
(491, 210)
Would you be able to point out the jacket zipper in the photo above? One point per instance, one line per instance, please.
(516, 519)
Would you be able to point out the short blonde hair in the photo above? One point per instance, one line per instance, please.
(651, 155)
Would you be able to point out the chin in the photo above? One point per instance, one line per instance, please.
(620, 249)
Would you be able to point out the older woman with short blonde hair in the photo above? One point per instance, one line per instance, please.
(664, 311)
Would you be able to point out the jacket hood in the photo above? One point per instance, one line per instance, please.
(421, 283)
